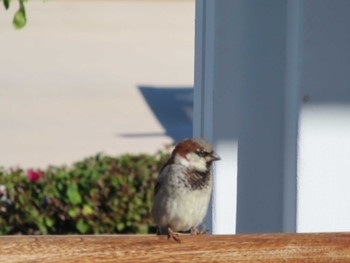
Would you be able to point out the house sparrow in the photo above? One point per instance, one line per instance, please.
(183, 188)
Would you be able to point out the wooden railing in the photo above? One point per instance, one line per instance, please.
(325, 247)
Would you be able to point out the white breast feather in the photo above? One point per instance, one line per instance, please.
(177, 206)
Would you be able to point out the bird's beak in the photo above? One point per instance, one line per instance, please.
(215, 157)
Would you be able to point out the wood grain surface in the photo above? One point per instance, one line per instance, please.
(325, 247)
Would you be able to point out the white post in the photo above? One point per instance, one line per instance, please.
(240, 75)
(272, 93)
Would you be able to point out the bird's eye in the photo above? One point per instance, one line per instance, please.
(203, 153)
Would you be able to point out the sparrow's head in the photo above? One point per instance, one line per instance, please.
(195, 154)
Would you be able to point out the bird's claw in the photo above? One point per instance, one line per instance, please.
(174, 235)
(196, 232)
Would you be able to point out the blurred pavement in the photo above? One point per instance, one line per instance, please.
(71, 81)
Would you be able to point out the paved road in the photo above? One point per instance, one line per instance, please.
(71, 82)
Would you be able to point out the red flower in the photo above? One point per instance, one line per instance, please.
(34, 176)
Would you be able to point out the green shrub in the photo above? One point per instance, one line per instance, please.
(99, 195)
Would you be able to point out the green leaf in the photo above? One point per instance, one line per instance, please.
(40, 223)
(73, 194)
(20, 19)
(7, 4)
(120, 226)
(87, 210)
(137, 217)
(73, 212)
(10, 186)
(142, 229)
(49, 222)
(82, 226)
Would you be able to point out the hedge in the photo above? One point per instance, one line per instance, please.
(99, 195)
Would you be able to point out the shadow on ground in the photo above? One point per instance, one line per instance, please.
(173, 107)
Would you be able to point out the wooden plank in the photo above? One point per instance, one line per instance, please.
(325, 247)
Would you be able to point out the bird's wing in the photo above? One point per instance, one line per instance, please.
(156, 188)
(162, 173)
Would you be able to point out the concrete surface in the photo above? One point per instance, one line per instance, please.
(70, 81)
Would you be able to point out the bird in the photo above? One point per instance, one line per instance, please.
(183, 188)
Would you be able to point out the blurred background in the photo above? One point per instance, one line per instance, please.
(84, 77)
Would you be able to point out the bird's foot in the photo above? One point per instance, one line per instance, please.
(196, 232)
(174, 235)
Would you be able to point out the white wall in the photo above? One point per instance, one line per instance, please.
(271, 94)
(324, 132)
